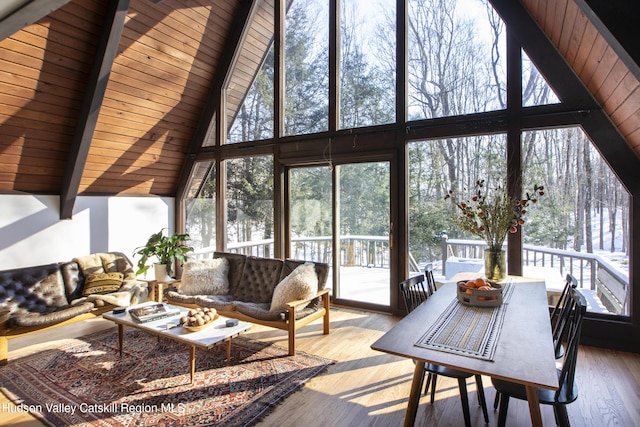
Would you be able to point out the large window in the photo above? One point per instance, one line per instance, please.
(367, 62)
(250, 113)
(535, 90)
(455, 80)
(201, 206)
(581, 227)
(435, 167)
(456, 58)
(249, 200)
(306, 103)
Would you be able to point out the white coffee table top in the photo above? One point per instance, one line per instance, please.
(166, 327)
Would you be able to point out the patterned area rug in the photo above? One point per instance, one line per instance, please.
(85, 382)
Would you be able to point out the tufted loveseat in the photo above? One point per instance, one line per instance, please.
(252, 281)
(37, 298)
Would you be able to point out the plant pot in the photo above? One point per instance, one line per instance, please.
(161, 272)
(495, 265)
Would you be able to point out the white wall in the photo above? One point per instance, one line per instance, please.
(31, 232)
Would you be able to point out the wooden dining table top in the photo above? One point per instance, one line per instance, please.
(524, 352)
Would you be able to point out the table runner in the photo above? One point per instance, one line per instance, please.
(466, 330)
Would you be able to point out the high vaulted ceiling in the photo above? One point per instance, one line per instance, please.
(109, 97)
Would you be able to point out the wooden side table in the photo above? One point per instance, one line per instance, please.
(157, 287)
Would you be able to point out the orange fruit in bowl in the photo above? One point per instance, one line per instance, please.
(485, 288)
(480, 282)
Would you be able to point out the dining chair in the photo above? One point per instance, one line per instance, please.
(556, 327)
(571, 315)
(570, 282)
(428, 275)
(414, 293)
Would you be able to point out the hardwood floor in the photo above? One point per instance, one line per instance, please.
(368, 388)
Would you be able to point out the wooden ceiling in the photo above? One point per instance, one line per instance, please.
(158, 83)
(166, 61)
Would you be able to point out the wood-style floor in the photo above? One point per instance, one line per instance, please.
(368, 388)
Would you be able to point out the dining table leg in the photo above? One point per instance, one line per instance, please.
(534, 406)
(414, 396)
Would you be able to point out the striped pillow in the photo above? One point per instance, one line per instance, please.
(102, 283)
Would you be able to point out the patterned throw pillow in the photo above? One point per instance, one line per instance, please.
(301, 284)
(102, 283)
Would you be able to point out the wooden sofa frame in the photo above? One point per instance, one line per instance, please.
(7, 333)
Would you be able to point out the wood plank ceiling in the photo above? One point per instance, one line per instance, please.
(166, 63)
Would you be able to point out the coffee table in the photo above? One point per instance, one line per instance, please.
(167, 328)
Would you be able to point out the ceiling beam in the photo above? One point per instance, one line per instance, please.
(239, 28)
(26, 13)
(91, 104)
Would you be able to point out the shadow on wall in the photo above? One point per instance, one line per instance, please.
(32, 233)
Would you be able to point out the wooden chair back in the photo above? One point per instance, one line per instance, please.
(413, 292)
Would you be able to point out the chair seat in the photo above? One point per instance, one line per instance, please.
(447, 372)
(545, 396)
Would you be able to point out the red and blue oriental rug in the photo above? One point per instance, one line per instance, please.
(86, 383)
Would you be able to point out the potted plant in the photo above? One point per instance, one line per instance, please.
(166, 249)
(490, 215)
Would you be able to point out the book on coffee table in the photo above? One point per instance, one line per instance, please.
(151, 312)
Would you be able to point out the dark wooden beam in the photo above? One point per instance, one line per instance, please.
(402, 77)
(278, 68)
(32, 11)
(514, 144)
(215, 96)
(334, 64)
(90, 109)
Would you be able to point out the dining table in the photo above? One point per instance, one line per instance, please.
(519, 340)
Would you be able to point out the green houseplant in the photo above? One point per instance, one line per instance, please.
(166, 249)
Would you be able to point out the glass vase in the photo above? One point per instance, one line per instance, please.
(495, 265)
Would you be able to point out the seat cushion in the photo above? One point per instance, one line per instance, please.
(205, 277)
(259, 311)
(301, 284)
(219, 302)
(50, 316)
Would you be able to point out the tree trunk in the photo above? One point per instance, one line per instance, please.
(587, 197)
(578, 237)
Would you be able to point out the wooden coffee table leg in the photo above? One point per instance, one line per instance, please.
(120, 337)
(229, 350)
(193, 362)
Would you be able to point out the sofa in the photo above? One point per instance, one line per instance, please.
(283, 294)
(37, 298)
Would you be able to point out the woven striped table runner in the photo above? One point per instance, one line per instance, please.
(466, 330)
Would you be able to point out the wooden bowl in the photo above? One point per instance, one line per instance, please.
(199, 328)
(477, 297)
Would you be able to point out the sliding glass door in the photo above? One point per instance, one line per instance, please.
(362, 204)
(340, 215)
